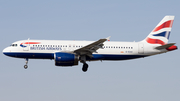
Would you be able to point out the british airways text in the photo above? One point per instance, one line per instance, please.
(45, 48)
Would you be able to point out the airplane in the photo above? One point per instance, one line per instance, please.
(70, 53)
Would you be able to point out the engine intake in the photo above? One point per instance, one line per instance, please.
(65, 59)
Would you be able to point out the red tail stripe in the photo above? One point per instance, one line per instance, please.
(155, 41)
(167, 24)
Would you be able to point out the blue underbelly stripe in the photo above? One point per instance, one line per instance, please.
(32, 55)
(95, 56)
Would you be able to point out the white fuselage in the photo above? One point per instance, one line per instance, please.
(45, 49)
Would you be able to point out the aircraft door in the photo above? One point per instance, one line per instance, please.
(141, 48)
(26, 46)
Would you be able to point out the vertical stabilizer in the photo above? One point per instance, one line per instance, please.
(160, 34)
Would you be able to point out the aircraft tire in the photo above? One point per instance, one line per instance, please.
(85, 67)
(25, 66)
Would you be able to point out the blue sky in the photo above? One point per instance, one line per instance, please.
(154, 78)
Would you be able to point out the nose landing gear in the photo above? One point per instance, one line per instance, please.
(26, 66)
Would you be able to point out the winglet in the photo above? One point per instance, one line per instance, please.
(108, 38)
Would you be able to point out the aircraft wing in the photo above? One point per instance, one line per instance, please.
(89, 49)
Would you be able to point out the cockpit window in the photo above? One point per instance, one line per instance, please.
(14, 45)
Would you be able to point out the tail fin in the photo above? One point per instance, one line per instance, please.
(160, 34)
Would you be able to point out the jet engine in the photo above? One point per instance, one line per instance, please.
(65, 59)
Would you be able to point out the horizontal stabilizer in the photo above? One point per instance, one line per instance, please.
(165, 46)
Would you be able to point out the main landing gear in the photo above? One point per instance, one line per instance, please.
(85, 65)
(26, 66)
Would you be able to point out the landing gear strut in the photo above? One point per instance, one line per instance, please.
(26, 66)
(85, 65)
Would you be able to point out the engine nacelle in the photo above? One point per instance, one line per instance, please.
(65, 59)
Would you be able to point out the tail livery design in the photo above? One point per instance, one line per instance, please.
(160, 34)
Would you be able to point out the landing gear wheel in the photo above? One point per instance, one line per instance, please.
(85, 67)
(25, 66)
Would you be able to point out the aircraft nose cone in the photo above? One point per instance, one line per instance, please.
(5, 51)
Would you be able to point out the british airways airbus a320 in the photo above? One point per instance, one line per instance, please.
(69, 53)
